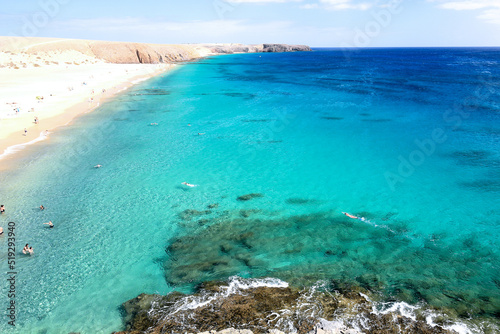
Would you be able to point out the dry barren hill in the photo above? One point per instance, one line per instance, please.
(85, 51)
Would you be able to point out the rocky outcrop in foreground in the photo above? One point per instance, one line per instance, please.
(224, 308)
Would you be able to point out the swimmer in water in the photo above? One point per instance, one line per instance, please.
(201, 133)
(189, 184)
(50, 224)
(30, 250)
(350, 216)
(26, 249)
(97, 166)
(355, 217)
(2, 208)
(42, 208)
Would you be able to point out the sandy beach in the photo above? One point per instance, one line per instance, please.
(40, 93)
(46, 82)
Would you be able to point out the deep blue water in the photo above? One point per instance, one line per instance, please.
(408, 139)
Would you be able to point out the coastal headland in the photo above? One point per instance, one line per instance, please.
(46, 82)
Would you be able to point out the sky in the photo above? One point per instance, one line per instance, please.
(317, 23)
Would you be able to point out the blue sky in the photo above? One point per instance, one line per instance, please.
(336, 23)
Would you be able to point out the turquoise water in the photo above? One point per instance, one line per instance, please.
(406, 138)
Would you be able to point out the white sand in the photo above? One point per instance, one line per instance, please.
(55, 87)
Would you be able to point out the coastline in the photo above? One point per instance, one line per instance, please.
(46, 82)
(67, 99)
(396, 240)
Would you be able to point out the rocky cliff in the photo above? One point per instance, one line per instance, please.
(134, 53)
(284, 48)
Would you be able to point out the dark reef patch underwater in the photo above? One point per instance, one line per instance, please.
(324, 267)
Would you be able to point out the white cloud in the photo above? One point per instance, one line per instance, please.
(310, 6)
(468, 4)
(261, 1)
(214, 31)
(491, 16)
(338, 5)
(490, 9)
(327, 4)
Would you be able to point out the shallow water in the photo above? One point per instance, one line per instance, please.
(406, 138)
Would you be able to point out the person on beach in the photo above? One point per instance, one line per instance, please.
(25, 131)
(46, 133)
(36, 120)
(26, 249)
(2, 208)
(50, 224)
(42, 208)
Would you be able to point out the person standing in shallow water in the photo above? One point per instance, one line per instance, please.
(2, 208)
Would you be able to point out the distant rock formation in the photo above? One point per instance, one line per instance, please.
(134, 53)
(284, 48)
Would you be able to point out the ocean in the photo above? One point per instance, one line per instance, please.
(278, 146)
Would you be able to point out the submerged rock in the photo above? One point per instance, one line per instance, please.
(305, 249)
(300, 201)
(248, 213)
(188, 213)
(249, 196)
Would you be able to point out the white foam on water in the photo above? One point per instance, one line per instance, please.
(236, 286)
(410, 312)
(307, 307)
(16, 148)
(458, 326)
(401, 308)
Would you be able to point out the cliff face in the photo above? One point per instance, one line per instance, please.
(285, 48)
(133, 53)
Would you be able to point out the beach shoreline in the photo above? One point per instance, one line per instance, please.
(19, 130)
(46, 82)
